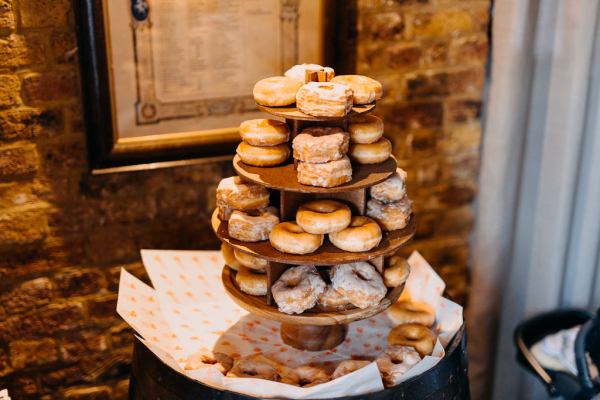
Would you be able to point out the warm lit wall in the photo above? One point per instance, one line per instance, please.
(64, 234)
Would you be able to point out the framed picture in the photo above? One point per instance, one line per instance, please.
(167, 82)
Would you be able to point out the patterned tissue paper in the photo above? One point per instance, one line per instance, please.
(188, 314)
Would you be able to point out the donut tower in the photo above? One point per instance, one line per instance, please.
(313, 329)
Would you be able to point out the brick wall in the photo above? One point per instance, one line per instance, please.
(64, 234)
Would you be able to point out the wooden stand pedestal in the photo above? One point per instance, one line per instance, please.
(313, 337)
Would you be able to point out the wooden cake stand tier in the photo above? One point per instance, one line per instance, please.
(293, 113)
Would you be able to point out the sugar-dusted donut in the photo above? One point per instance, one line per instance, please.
(332, 300)
(390, 216)
(359, 282)
(229, 257)
(407, 311)
(362, 234)
(371, 153)
(365, 90)
(392, 189)
(396, 272)
(220, 360)
(324, 99)
(252, 226)
(320, 144)
(264, 132)
(255, 366)
(251, 281)
(224, 212)
(348, 366)
(299, 71)
(289, 237)
(306, 376)
(365, 128)
(298, 289)
(250, 261)
(323, 216)
(417, 336)
(394, 362)
(263, 156)
(329, 174)
(235, 194)
(276, 91)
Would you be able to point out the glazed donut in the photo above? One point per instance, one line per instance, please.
(392, 189)
(224, 212)
(289, 237)
(263, 156)
(330, 174)
(362, 234)
(359, 282)
(365, 128)
(332, 300)
(220, 360)
(250, 261)
(251, 282)
(252, 226)
(417, 336)
(306, 376)
(407, 312)
(324, 99)
(371, 153)
(276, 91)
(299, 72)
(236, 194)
(264, 132)
(298, 289)
(396, 272)
(390, 216)
(255, 366)
(320, 144)
(395, 362)
(365, 90)
(323, 216)
(348, 366)
(229, 257)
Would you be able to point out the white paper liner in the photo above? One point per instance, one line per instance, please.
(189, 312)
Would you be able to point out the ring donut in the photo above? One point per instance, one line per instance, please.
(251, 281)
(276, 91)
(365, 128)
(306, 376)
(371, 153)
(235, 194)
(392, 189)
(250, 261)
(396, 272)
(332, 300)
(365, 90)
(255, 366)
(395, 362)
(417, 336)
(359, 282)
(362, 234)
(390, 216)
(348, 366)
(229, 257)
(252, 226)
(298, 289)
(320, 144)
(406, 312)
(264, 132)
(263, 156)
(289, 237)
(323, 216)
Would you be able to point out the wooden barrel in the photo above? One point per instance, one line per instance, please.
(151, 380)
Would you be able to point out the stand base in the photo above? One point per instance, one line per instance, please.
(313, 337)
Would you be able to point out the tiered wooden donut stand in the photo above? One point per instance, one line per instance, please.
(314, 329)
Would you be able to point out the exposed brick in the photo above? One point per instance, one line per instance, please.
(417, 115)
(44, 13)
(121, 336)
(9, 90)
(63, 46)
(23, 387)
(50, 86)
(27, 123)
(18, 51)
(444, 83)
(5, 368)
(121, 390)
(403, 55)
(111, 246)
(103, 308)
(461, 139)
(64, 156)
(23, 326)
(23, 227)
(18, 159)
(82, 344)
(7, 15)
(422, 142)
(383, 26)
(61, 377)
(443, 23)
(92, 393)
(139, 209)
(469, 50)
(26, 353)
(463, 110)
(15, 194)
(77, 282)
(28, 294)
(63, 316)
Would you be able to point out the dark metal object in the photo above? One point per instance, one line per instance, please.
(151, 379)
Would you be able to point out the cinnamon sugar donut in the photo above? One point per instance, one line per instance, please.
(416, 336)
(362, 234)
(330, 174)
(276, 91)
(306, 376)
(348, 366)
(365, 90)
(264, 132)
(299, 72)
(359, 282)
(252, 226)
(255, 366)
(396, 272)
(371, 153)
(229, 257)
(332, 300)
(395, 362)
(250, 261)
(298, 289)
(392, 189)
(263, 156)
(365, 128)
(320, 144)
(390, 216)
(251, 281)
(324, 99)
(235, 194)
(289, 237)
(406, 312)
(323, 216)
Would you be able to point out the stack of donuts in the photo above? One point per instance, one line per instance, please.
(367, 143)
(389, 204)
(264, 142)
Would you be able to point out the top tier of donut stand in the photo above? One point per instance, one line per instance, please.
(312, 330)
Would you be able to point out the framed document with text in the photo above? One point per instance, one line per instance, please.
(167, 82)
